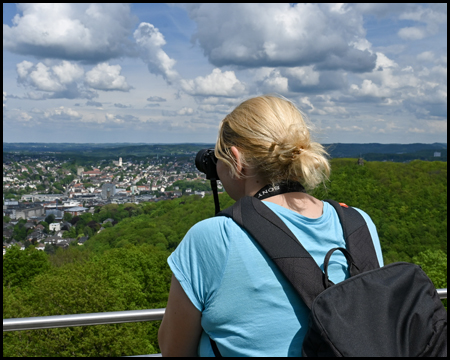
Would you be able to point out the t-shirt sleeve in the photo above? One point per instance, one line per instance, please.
(199, 260)
(374, 235)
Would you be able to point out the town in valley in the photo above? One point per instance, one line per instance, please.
(43, 193)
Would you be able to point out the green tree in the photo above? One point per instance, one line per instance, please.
(118, 280)
(434, 264)
(19, 231)
(67, 216)
(49, 249)
(20, 266)
(50, 218)
(46, 226)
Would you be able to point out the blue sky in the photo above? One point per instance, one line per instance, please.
(158, 73)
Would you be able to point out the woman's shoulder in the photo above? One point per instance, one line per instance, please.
(214, 225)
(212, 232)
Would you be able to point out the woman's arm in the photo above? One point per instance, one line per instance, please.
(180, 330)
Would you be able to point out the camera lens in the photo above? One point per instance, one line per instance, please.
(200, 160)
(206, 161)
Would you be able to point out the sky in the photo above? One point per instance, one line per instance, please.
(158, 73)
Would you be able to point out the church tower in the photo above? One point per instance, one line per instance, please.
(360, 161)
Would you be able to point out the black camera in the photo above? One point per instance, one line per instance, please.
(206, 162)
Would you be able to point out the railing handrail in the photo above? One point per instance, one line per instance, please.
(102, 318)
(442, 293)
(114, 317)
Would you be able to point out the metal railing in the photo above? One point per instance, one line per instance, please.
(442, 293)
(103, 318)
(115, 317)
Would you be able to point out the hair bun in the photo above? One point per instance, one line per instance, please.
(285, 153)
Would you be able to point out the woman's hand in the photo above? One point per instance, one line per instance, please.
(180, 330)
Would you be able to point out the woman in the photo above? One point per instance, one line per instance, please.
(224, 286)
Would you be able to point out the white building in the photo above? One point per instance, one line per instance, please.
(201, 193)
(54, 226)
(40, 247)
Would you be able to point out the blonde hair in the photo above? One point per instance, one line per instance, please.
(274, 139)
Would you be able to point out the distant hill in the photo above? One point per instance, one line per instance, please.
(370, 152)
(389, 152)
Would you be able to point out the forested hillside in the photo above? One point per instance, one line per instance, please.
(124, 266)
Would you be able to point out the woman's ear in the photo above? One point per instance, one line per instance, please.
(237, 155)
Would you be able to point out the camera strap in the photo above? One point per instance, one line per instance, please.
(266, 192)
(279, 188)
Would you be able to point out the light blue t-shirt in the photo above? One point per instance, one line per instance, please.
(248, 307)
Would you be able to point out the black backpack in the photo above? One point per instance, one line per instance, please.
(390, 311)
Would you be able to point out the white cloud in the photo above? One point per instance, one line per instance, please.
(185, 111)
(57, 81)
(270, 80)
(62, 113)
(416, 130)
(335, 110)
(156, 99)
(420, 91)
(412, 33)
(217, 83)
(276, 83)
(24, 68)
(106, 77)
(351, 128)
(182, 112)
(72, 31)
(382, 9)
(383, 62)
(282, 35)
(111, 118)
(436, 126)
(221, 108)
(150, 40)
(214, 100)
(432, 16)
(368, 88)
(391, 126)
(374, 129)
(68, 72)
(305, 104)
(63, 80)
(426, 56)
(305, 74)
(20, 118)
(4, 98)
(324, 105)
(23, 117)
(38, 76)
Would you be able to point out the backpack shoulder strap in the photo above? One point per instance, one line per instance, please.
(287, 252)
(357, 236)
